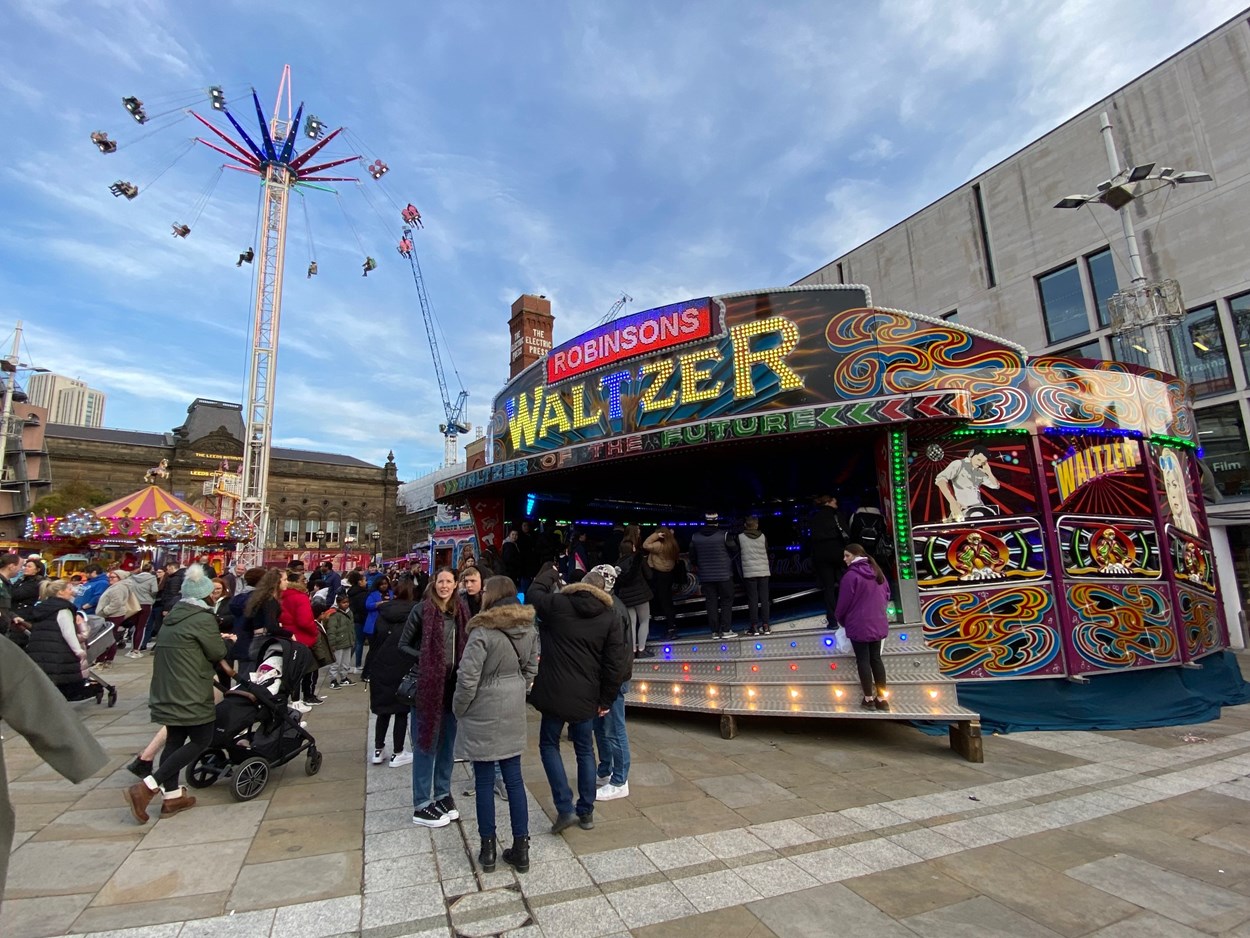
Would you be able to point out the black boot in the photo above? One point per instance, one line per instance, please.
(518, 855)
(486, 856)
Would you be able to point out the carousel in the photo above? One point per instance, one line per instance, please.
(149, 521)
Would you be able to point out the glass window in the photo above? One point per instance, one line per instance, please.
(1088, 350)
(311, 527)
(1063, 304)
(332, 531)
(1102, 282)
(1222, 436)
(1239, 306)
(290, 531)
(353, 529)
(952, 316)
(1201, 357)
(1130, 349)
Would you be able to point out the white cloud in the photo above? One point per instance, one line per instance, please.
(667, 151)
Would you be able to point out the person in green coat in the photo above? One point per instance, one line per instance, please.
(188, 647)
(33, 706)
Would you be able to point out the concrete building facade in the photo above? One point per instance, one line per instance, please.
(67, 400)
(995, 254)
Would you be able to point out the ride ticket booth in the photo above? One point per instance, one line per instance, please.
(1046, 513)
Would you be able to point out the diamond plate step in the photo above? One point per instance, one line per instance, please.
(798, 672)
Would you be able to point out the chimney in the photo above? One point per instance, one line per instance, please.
(530, 329)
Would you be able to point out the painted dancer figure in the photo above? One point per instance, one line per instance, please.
(961, 482)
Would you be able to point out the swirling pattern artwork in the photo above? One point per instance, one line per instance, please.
(994, 633)
(890, 352)
(1200, 622)
(1115, 627)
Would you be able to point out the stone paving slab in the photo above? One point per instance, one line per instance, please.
(781, 831)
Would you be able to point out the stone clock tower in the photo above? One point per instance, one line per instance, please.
(530, 330)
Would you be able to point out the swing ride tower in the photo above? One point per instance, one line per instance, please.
(273, 158)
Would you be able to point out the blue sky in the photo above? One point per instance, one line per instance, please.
(578, 149)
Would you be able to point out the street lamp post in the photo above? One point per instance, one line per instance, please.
(377, 546)
(348, 542)
(1146, 310)
(321, 544)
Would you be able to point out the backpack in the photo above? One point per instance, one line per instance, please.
(871, 530)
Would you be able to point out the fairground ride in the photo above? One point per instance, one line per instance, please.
(270, 153)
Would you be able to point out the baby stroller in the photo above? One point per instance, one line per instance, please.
(100, 639)
(255, 731)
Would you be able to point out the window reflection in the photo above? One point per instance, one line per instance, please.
(1222, 436)
(1063, 304)
(1201, 357)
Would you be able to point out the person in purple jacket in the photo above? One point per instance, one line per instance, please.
(862, 599)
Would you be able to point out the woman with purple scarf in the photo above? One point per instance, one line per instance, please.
(435, 635)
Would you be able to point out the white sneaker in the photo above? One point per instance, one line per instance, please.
(377, 757)
(610, 792)
(401, 758)
(301, 706)
(601, 780)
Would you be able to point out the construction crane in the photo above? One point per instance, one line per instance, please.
(453, 411)
(616, 308)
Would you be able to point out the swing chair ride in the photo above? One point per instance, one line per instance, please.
(269, 151)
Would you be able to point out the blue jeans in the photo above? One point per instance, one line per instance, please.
(431, 769)
(612, 742)
(549, 751)
(484, 788)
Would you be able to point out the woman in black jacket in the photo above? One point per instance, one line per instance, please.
(25, 591)
(263, 610)
(434, 637)
(54, 644)
(384, 669)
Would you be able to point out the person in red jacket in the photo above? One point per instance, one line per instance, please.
(297, 618)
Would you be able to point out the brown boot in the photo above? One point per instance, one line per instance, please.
(171, 806)
(138, 796)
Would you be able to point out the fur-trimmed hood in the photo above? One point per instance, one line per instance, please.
(504, 618)
(580, 594)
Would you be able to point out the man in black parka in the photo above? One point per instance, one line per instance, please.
(584, 661)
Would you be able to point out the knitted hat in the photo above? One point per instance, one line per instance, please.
(196, 583)
(609, 574)
(711, 517)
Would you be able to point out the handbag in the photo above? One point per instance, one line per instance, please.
(132, 607)
(406, 692)
(321, 651)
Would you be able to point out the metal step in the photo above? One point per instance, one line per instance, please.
(798, 672)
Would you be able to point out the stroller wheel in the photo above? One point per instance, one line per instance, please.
(206, 769)
(112, 692)
(312, 764)
(250, 779)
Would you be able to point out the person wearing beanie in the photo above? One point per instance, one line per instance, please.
(611, 740)
(180, 698)
(584, 661)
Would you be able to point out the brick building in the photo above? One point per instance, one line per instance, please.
(345, 498)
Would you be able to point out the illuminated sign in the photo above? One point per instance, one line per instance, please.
(1095, 462)
(947, 404)
(630, 337)
(588, 407)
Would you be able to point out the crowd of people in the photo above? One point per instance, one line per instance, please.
(450, 659)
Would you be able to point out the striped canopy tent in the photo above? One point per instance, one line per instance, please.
(149, 516)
